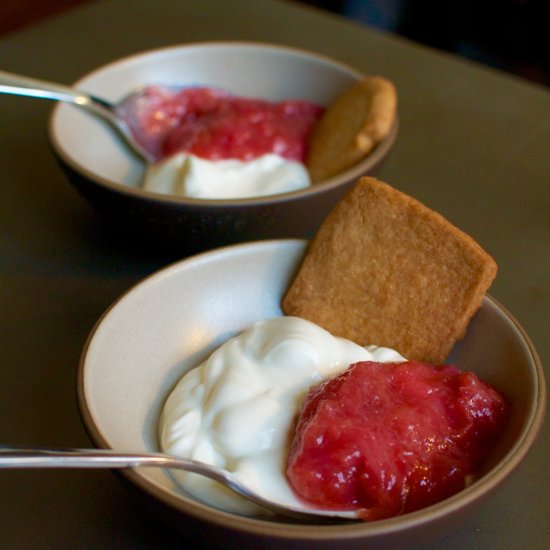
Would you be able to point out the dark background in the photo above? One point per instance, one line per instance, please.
(510, 35)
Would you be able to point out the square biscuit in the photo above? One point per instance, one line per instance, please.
(385, 269)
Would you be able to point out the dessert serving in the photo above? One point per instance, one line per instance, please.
(390, 439)
(133, 361)
(237, 409)
(208, 143)
(189, 203)
(380, 434)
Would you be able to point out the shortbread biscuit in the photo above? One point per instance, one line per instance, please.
(384, 269)
(351, 127)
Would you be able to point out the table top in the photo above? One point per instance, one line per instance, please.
(474, 145)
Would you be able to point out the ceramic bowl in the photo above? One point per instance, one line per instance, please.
(172, 320)
(109, 177)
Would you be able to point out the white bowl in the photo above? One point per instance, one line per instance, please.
(109, 177)
(171, 321)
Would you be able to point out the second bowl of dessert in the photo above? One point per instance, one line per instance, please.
(111, 178)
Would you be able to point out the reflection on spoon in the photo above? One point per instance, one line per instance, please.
(14, 457)
(30, 87)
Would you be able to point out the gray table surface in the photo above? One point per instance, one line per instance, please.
(474, 145)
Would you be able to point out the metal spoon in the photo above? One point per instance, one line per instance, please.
(21, 85)
(15, 457)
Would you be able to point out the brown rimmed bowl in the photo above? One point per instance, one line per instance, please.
(109, 176)
(173, 319)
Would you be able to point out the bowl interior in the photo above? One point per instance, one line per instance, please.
(248, 69)
(168, 323)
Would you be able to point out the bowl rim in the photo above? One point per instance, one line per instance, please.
(320, 532)
(352, 173)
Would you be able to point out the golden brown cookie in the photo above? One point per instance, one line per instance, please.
(351, 127)
(384, 269)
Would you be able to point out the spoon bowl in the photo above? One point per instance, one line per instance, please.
(31, 87)
(15, 457)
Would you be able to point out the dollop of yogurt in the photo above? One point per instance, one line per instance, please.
(237, 409)
(187, 175)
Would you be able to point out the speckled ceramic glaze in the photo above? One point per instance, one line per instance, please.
(109, 177)
(171, 321)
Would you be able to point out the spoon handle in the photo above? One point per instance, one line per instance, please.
(15, 84)
(22, 85)
(20, 457)
(15, 457)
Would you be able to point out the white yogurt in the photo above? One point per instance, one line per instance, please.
(237, 409)
(187, 175)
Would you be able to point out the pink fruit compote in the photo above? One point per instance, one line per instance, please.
(387, 439)
(214, 124)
